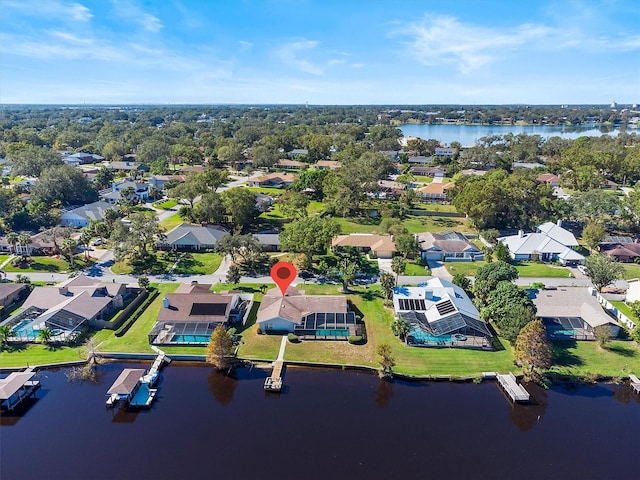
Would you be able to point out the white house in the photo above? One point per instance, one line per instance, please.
(440, 314)
(81, 217)
(540, 246)
(633, 292)
(447, 246)
(558, 233)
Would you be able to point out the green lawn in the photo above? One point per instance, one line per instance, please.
(414, 269)
(36, 354)
(167, 204)
(525, 269)
(631, 270)
(624, 308)
(586, 358)
(191, 264)
(3, 257)
(415, 224)
(136, 339)
(171, 222)
(49, 264)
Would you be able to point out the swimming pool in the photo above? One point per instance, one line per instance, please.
(190, 339)
(420, 336)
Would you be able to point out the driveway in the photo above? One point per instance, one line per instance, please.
(439, 270)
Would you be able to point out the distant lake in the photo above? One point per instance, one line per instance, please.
(468, 134)
(327, 424)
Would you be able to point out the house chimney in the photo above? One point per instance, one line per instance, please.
(428, 295)
(559, 222)
(165, 302)
(63, 290)
(520, 233)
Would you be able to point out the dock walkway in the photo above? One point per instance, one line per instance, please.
(273, 383)
(510, 385)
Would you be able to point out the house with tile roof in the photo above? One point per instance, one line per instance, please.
(274, 180)
(192, 237)
(381, 246)
(324, 317)
(435, 192)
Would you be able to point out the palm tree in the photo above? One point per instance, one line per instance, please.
(67, 248)
(6, 332)
(44, 335)
(12, 240)
(398, 265)
(85, 240)
(24, 239)
(101, 229)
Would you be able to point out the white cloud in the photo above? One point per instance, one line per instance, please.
(67, 11)
(441, 40)
(244, 45)
(133, 13)
(292, 54)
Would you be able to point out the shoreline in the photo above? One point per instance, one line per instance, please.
(114, 357)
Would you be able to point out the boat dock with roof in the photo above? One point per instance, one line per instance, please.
(510, 385)
(635, 383)
(134, 386)
(16, 387)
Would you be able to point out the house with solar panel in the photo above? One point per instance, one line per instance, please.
(190, 315)
(310, 317)
(440, 314)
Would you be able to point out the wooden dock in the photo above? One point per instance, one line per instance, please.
(635, 383)
(16, 387)
(510, 385)
(274, 382)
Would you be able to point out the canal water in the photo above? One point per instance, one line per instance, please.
(325, 425)
(469, 134)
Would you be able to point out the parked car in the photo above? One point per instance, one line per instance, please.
(96, 242)
(584, 270)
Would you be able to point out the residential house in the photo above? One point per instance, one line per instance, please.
(270, 241)
(127, 166)
(112, 195)
(287, 164)
(298, 152)
(81, 217)
(428, 171)
(12, 292)
(440, 314)
(327, 165)
(446, 152)
(190, 315)
(526, 165)
(435, 192)
(473, 171)
(40, 244)
(633, 291)
(571, 313)
(65, 308)
(623, 252)
(540, 246)
(325, 317)
(380, 246)
(447, 246)
(549, 179)
(159, 181)
(558, 233)
(274, 180)
(192, 237)
(420, 160)
(82, 158)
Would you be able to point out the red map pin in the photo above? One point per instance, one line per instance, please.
(283, 274)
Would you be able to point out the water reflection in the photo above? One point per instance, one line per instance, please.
(10, 418)
(525, 417)
(623, 393)
(124, 415)
(384, 393)
(222, 386)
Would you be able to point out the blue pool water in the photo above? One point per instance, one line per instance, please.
(424, 337)
(191, 338)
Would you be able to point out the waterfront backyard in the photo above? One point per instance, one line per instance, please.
(571, 358)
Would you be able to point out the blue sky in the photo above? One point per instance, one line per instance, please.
(320, 51)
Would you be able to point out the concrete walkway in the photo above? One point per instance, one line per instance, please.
(283, 345)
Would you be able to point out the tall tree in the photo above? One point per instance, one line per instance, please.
(293, 204)
(398, 264)
(603, 270)
(220, 348)
(240, 204)
(310, 236)
(488, 276)
(63, 185)
(406, 245)
(593, 233)
(533, 350)
(387, 281)
(386, 359)
(138, 237)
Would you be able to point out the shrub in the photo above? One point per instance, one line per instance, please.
(635, 334)
(258, 330)
(293, 338)
(355, 339)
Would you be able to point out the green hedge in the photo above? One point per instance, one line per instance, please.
(131, 320)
